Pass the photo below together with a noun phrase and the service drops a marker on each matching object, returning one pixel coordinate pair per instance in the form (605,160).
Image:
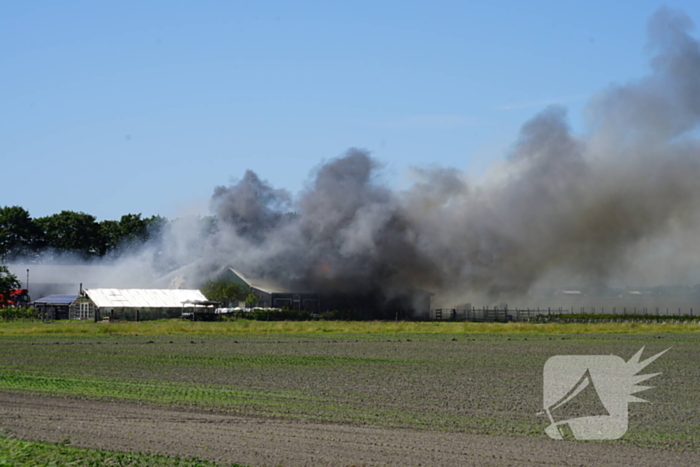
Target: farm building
(54,306)
(139,304)
(272,295)
(408,302)
(373,304)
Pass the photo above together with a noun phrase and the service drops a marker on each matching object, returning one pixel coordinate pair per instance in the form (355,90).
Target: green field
(246,327)
(472,378)
(16,452)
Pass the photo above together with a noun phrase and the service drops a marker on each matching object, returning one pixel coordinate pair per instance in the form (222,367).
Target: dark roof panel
(62,299)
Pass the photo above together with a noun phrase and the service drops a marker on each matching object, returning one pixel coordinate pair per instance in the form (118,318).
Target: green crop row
(290,403)
(149,391)
(258,360)
(16,452)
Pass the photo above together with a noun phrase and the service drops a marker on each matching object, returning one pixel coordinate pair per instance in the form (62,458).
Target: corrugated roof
(57,299)
(143,298)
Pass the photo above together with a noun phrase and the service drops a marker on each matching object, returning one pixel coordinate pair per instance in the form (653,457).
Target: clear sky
(119,107)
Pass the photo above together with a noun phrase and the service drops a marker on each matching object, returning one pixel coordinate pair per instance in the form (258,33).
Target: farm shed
(371,304)
(375,303)
(54,306)
(138,304)
(272,295)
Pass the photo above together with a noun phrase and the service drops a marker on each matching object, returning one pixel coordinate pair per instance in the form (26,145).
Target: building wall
(53,311)
(264,298)
(83,309)
(297,301)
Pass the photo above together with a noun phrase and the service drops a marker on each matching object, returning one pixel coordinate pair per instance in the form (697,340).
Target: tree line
(72,233)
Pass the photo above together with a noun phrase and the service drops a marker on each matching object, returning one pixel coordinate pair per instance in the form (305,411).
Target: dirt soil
(258,441)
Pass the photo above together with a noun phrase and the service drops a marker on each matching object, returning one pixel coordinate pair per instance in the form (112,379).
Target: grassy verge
(17,452)
(245,327)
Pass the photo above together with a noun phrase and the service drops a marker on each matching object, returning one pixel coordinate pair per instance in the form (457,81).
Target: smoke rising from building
(618,202)
(585,206)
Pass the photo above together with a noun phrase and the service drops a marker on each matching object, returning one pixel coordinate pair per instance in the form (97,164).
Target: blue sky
(144,107)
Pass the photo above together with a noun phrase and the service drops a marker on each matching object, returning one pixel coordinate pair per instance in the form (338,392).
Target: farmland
(434,383)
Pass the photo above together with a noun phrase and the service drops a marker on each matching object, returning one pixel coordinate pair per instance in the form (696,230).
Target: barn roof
(143,298)
(57,299)
(257,283)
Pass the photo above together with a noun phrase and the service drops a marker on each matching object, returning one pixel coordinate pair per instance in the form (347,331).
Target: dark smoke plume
(585,206)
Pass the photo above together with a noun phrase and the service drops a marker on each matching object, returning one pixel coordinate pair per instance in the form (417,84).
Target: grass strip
(16,452)
(245,327)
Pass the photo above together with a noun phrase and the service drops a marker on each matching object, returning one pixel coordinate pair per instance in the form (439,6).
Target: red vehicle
(18,298)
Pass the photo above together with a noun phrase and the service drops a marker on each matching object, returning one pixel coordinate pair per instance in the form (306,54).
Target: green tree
(73,232)
(110,234)
(19,235)
(156,226)
(8,281)
(225,291)
(134,231)
(128,234)
(251,299)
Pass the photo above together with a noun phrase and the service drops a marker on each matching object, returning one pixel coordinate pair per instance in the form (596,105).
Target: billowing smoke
(588,207)
(620,202)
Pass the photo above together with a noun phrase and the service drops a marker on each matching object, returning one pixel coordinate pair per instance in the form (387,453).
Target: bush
(18,314)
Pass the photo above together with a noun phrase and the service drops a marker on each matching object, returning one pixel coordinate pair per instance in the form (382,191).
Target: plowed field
(348,399)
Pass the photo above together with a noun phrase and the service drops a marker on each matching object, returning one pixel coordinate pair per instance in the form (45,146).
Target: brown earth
(259,441)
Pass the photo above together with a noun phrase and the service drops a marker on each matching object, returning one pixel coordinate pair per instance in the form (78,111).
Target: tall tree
(19,235)
(128,234)
(225,291)
(156,226)
(110,236)
(134,231)
(73,232)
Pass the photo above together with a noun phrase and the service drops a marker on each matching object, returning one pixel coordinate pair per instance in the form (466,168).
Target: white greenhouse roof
(143,298)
